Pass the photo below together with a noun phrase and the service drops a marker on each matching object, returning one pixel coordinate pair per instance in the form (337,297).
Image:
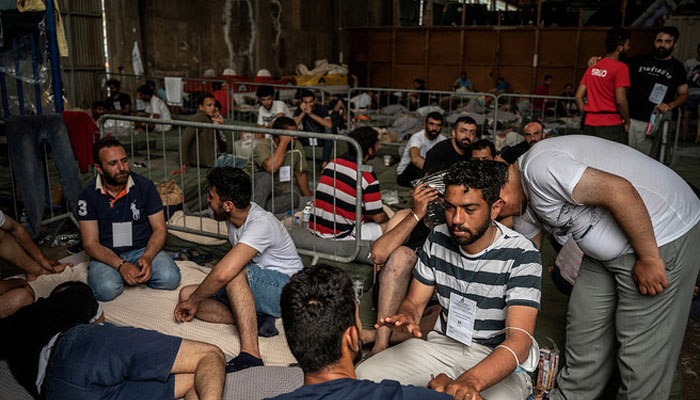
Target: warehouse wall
(245,35)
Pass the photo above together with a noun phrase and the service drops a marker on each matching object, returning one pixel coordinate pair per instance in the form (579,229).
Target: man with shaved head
(533,133)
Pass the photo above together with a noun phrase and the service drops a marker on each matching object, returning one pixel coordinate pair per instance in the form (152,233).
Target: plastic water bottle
(306,215)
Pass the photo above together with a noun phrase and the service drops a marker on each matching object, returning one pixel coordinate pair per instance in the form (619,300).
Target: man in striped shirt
(487,279)
(336,195)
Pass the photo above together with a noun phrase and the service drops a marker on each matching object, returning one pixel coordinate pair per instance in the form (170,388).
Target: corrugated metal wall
(83,22)
(689,26)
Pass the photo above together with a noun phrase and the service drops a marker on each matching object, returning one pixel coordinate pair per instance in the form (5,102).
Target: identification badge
(313,141)
(460,319)
(285,173)
(117,105)
(658,93)
(122,234)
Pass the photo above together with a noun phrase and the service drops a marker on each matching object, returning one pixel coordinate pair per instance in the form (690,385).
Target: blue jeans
(266,285)
(107,283)
(111,362)
(229,160)
(25,134)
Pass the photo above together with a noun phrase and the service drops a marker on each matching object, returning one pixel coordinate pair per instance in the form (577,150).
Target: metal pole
(54,56)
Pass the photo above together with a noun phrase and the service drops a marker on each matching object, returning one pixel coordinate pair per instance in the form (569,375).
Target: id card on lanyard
(122,232)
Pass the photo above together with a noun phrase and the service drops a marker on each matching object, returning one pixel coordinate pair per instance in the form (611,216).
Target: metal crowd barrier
(451,104)
(191,89)
(24,98)
(151,164)
(247,105)
(558,113)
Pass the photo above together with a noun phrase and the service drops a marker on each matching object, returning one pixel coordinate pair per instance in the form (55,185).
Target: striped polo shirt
(337,187)
(507,273)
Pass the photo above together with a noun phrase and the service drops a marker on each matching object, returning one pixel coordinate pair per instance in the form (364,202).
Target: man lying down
(60,348)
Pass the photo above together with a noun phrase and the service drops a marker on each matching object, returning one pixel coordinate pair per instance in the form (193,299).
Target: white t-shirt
(2,218)
(362,100)
(266,234)
(553,167)
(266,116)
(157,106)
(424,145)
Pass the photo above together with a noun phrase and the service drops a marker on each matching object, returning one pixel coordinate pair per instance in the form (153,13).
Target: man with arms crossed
(487,280)
(636,222)
(250,277)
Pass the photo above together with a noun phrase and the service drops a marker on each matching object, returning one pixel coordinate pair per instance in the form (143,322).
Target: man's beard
(464,144)
(222,215)
(662,53)
(473,236)
(118,179)
(433,134)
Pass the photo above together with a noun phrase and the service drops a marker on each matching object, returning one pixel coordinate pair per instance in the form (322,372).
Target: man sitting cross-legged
(487,279)
(324,332)
(18,248)
(250,277)
(122,227)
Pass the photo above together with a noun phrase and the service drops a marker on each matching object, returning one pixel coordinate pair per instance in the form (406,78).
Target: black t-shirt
(442,155)
(512,153)
(309,124)
(645,73)
(350,389)
(119,103)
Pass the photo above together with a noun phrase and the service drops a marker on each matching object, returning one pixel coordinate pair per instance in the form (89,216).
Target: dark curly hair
(231,184)
(264,91)
(318,305)
(366,136)
(485,175)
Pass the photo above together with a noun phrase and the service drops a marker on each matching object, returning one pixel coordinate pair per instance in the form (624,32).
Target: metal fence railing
(402,111)
(247,105)
(160,163)
(190,90)
(558,113)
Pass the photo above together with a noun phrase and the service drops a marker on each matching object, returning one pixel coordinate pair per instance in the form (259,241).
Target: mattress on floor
(143,307)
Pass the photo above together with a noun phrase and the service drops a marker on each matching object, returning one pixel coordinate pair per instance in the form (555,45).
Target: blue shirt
(135,204)
(350,389)
(467,84)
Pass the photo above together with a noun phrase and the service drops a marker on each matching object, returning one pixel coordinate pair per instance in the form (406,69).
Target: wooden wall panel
(482,77)
(441,77)
(592,44)
(358,46)
(480,47)
(379,74)
(560,77)
(444,48)
(557,48)
(380,47)
(518,77)
(517,47)
(642,42)
(404,74)
(410,47)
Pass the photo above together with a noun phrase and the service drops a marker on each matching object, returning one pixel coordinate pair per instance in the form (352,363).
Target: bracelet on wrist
(415,216)
(120,265)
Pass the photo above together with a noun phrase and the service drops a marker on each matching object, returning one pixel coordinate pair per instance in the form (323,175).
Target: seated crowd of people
(459,287)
